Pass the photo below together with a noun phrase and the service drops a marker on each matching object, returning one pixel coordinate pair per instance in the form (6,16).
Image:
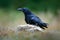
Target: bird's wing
(37,21)
(34,20)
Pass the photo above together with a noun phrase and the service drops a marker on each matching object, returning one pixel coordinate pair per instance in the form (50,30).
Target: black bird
(32,19)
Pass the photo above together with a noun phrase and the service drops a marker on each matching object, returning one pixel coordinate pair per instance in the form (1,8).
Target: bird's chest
(27,19)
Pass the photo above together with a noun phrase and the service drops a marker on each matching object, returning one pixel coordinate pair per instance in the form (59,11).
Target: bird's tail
(43,25)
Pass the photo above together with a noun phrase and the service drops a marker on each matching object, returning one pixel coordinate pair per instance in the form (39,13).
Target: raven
(32,19)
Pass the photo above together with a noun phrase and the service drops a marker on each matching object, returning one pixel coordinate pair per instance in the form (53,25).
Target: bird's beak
(19,9)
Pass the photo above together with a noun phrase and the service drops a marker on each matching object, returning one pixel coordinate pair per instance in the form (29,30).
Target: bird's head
(23,9)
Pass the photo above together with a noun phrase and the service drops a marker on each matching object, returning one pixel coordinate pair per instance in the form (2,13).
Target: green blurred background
(47,10)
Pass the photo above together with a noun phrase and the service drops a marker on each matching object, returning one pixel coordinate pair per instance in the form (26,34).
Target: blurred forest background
(47,10)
